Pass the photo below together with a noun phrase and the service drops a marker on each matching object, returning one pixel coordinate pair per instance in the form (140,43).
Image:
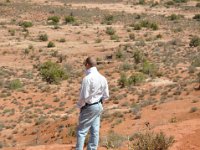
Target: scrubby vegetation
(70,19)
(195,41)
(43,37)
(51,44)
(197,17)
(52,72)
(15,84)
(152,141)
(148,51)
(26,24)
(54,19)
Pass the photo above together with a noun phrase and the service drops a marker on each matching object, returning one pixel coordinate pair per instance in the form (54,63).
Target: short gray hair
(91,61)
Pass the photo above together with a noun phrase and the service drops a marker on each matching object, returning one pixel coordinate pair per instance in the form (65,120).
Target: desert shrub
(110,31)
(52,72)
(170,3)
(132,36)
(1,145)
(119,54)
(152,141)
(98,40)
(126,66)
(136,78)
(26,24)
(137,26)
(70,19)
(43,37)
(196,62)
(114,37)
(123,80)
(54,19)
(193,109)
(71,131)
(108,19)
(40,120)
(62,40)
(50,44)
(154,26)
(118,114)
(198,5)
(135,108)
(9,111)
(112,140)
(12,32)
(174,17)
(195,41)
(149,68)
(197,17)
(146,24)
(180,1)
(141,2)
(15,84)
(138,56)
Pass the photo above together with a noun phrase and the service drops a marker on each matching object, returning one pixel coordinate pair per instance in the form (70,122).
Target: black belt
(87,105)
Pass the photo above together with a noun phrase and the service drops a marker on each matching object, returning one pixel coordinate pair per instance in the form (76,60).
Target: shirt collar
(91,70)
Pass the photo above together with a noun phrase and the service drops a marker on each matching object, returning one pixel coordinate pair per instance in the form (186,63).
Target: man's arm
(84,93)
(105,92)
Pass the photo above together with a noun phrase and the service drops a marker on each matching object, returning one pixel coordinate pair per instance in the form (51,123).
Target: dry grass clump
(152,141)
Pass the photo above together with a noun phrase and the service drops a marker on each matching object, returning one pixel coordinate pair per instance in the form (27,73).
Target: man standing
(94,90)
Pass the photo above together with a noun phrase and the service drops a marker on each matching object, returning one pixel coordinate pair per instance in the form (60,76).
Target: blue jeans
(89,119)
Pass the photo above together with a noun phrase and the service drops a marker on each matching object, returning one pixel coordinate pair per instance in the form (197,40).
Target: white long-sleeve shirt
(93,88)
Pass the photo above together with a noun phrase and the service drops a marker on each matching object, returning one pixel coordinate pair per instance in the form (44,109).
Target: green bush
(110,31)
(152,141)
(193,109)
(197,17)
(15,84)
(136,78)
(180,1)
(132,36)
(43,37)
(149,68)
(195,41)
(50,44)
(119,54)
(174,17)
(196,62)
(198,5)
(26,24)
(126,66)
(141,2)
(145,23)
(137,26)
(108,19)
(12,32)
(148,24)
(170,3)
(138,56)
(123,80)
(70,19)
(62,40)
(114,37)
(52,72)
(54,19)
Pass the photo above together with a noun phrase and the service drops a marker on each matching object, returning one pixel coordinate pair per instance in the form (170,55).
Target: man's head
(90,62)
